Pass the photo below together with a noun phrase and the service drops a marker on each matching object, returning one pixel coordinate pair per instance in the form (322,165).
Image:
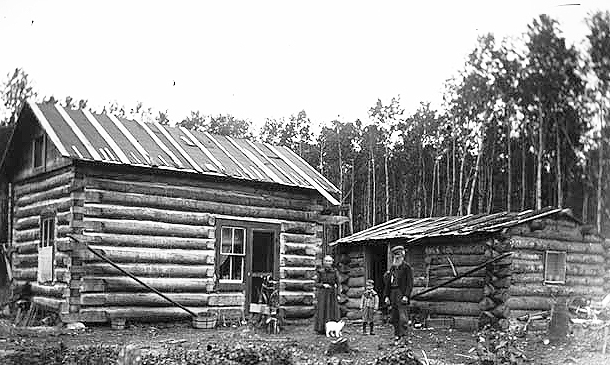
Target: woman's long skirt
(327,309)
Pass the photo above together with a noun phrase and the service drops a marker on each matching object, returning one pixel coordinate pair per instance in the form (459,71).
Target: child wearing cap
(368,305)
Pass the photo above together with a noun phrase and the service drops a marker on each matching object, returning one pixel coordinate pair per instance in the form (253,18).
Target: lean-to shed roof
(413,229)
(82,135)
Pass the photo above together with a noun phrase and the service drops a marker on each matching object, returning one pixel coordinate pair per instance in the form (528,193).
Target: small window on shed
(555,267)
(38,152)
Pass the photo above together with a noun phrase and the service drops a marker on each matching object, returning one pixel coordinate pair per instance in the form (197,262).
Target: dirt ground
(441,346)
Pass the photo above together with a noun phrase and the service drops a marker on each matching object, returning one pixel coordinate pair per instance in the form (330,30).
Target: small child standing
(368,305)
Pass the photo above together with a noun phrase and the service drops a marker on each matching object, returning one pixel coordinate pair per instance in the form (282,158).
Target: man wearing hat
(398,283)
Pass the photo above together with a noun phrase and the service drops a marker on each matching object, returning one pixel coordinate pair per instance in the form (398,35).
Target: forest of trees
(523,125)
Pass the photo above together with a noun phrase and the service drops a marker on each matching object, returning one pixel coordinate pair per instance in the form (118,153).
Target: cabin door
(264,255)
(376,265)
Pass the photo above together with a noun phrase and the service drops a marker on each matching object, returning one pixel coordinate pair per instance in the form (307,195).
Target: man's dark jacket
(404,280)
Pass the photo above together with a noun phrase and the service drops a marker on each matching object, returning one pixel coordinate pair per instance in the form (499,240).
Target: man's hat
(397,249)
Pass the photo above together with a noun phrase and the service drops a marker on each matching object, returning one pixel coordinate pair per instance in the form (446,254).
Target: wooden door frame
(250,227)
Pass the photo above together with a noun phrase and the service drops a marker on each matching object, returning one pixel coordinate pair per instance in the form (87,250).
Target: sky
(259,59)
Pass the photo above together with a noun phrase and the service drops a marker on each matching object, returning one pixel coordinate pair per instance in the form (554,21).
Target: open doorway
(263,259)
(376,265)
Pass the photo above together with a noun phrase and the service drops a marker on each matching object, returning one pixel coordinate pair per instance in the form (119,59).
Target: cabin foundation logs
(351,274)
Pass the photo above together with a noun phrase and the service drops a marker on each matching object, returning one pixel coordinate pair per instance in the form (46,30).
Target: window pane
(38,152)
(238,240)
(51,224)
(41,238)
(225,267)
(236,270)
(225,240)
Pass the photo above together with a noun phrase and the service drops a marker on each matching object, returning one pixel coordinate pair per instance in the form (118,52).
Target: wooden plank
(48,129)
(130,138)
(79,134)
(203,148)
(272,163)
(256,161)
(161,144)
(178,147)
(106,136)
(308,178)
(224,150)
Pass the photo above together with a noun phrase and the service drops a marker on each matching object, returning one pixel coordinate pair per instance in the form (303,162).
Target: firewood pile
(494,310)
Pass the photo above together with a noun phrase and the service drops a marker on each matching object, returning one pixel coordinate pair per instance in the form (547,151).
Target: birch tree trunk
(600,166)
(373,181)
(432,196)
(523,157)
(340,182)
(509,168)
(446,197)
(351,202)
(559,175)
(475,178)
(461,191)
(539,159)
(387,185)
(451,196)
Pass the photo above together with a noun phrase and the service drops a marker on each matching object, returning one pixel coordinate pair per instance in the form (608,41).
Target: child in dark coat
(368,305)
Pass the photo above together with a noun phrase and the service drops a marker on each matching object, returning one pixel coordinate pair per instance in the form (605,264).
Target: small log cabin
(553,255)
(200,217)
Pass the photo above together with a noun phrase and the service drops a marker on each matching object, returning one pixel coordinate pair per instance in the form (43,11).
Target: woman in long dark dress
(327,284)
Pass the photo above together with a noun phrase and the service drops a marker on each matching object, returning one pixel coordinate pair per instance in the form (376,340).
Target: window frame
(232,254)
(43,152)
(46,239)
(547,254)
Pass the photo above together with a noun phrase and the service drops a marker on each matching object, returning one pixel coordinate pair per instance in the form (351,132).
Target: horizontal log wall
(47,193)
(165,234)
(585,265)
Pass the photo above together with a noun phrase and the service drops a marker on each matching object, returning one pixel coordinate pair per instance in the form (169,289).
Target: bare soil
(441,346)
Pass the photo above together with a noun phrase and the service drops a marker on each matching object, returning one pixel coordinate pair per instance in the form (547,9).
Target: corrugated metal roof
(83,135)
(413,229)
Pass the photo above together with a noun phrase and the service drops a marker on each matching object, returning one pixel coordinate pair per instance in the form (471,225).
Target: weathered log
(501,311)
(457,260)
(50,303)
(529,303)
(527,278)
(297,285)
(520,290)
(34,234)
(503,272)
(527,255)
(149,214)
(127,240)
(296,298)
(143,299)
(25,260)
(356,272)
(148,228)
(34,222)
(527,266)
(57,290)
(127,284)
(58,205)
(155,201)
(488,289)
(26,247)
(151,255)
(486,304)
(580,258)
(343,277)
(43,183)
(355,292)
(534,243)
(155,314)
(299,311)
(300,238)
(352,303)
(305,273)
(203,194)
(158,270)
(298,261)
(44,195)
(584,281)
(355,282)
(573,269)
(456,249)
(299,227)
(466,282)
(343,268)
(344,287)
(353,314)
(502,283)
(30,274)
(449,308)
(436,271)
(450,294)
(500,295)
(302,249)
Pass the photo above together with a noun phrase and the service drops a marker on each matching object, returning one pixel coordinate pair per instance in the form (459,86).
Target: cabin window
(38,152)
(555,267)
(46,248)
(232,254)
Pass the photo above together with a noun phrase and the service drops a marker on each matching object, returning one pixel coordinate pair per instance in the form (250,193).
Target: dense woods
(523,125)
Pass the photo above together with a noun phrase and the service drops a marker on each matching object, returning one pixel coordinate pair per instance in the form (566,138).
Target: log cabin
(553,255)
(200,217)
